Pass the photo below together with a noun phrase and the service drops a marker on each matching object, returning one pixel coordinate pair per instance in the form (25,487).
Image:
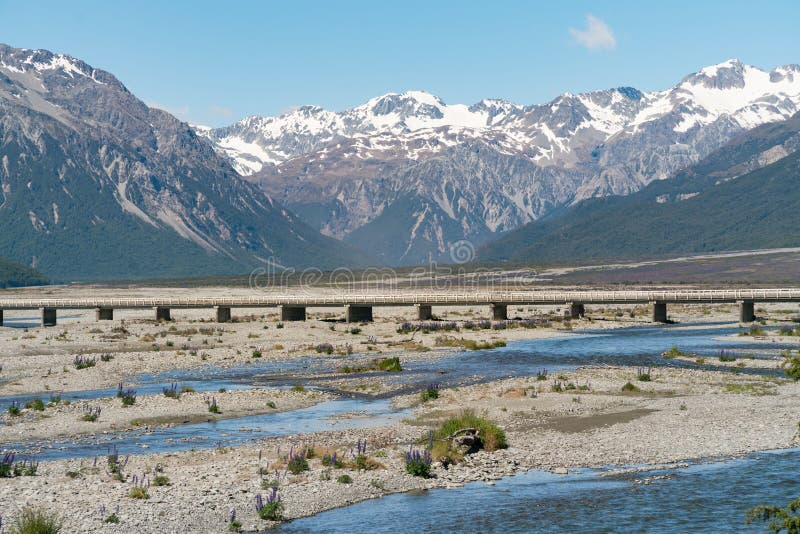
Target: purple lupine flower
(232,516)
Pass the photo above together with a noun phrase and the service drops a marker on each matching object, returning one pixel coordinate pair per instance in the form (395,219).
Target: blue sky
(216,62)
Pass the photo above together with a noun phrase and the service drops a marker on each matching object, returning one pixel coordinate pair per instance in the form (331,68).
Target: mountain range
(742,196)
(406,176)
(94,184)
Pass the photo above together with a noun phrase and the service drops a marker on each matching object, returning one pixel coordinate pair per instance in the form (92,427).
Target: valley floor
(574,418)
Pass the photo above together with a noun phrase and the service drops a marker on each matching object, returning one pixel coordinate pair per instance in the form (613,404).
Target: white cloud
(596,36)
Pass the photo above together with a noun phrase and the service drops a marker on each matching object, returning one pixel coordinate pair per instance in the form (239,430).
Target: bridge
(358,306)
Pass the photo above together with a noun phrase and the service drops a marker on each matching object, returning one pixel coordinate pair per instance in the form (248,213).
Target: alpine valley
(94,184)
(405,176)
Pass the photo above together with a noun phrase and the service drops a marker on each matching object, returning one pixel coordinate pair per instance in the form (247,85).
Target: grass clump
(747,389)
(34,520)
(468,344)
(81,362)
(430,393)
(791,365)
(36,404)
(139,492)
(161,480)
(344,479)
(643,374)
(674,352)
(388,365)
(128,396)
(492,437)
(13,409)
(297,464)
(324,348)
(630,388)
(271,508)
(418,463)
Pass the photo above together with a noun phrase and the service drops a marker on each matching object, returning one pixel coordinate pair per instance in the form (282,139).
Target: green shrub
(298,464)
(492,437)
(139,493)
(161,480)
(791,365)
(344,479)
(35,404)
(418,463)
(780,519)
(674,352)
(390,365)
(630,388)
(429,393)
(256,354)
(469,344)
(34,520)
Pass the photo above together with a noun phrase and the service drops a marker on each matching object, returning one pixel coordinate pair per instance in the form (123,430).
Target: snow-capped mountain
(96,184)
(413,162)
(255,141)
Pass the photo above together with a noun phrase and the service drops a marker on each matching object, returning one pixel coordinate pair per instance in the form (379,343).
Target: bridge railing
(532,297)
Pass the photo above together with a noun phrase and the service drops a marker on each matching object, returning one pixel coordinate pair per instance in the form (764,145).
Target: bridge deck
(452,298)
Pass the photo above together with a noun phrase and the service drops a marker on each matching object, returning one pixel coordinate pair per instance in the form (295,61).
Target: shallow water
(707,497)
(203,379)
(225,432)
(636,346)
(630,346)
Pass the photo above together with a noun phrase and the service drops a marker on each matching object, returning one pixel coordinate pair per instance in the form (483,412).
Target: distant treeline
(13,274)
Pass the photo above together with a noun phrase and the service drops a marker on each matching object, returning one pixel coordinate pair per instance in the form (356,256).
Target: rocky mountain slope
(95,184)
(742,196)
(406,175)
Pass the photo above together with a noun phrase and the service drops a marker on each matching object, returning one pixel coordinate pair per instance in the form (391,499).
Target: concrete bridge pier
(292,313)
(222,314)
(48,316)
(424,312)
(357,314)
(659,312)
(577,310)
(104,314)
(1,317)
(499,312)
(162,313)
(747,311)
